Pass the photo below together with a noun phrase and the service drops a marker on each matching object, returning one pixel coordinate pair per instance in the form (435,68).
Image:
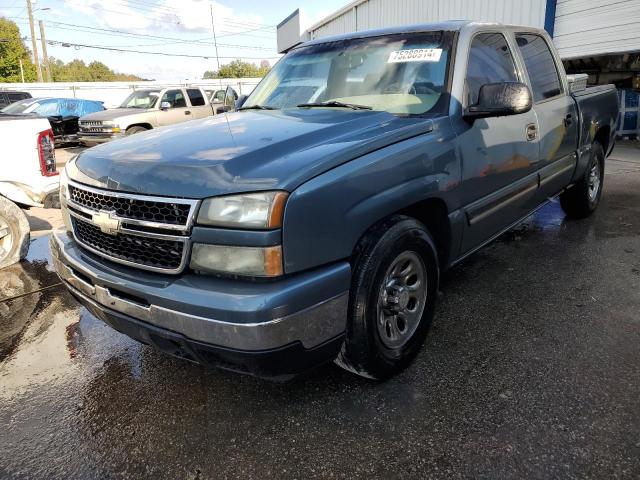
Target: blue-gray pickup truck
(313,223)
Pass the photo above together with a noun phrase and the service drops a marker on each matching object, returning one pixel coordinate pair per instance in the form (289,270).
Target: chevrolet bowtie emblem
(106,223)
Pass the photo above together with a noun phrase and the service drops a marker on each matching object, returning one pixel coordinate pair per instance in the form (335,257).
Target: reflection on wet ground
(531,369)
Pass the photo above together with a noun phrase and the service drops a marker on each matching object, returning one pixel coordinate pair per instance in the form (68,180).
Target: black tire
(366,351)
(582,199)
(14,233)
(134,130)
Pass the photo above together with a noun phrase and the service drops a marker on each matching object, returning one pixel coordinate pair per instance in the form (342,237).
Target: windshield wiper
(335,103)
(257,107)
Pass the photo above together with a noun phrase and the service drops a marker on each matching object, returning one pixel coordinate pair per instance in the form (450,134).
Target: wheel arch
(433,213)
(145,125)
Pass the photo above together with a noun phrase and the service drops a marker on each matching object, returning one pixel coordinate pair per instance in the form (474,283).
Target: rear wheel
(14,233)
(392,298)
(583,198)
(134,130)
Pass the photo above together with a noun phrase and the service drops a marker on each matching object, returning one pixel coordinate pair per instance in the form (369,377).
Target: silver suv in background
(144,110)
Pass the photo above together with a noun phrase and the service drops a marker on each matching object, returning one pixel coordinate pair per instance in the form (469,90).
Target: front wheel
(14,233)
(583,198)
(392,298)
(134,130)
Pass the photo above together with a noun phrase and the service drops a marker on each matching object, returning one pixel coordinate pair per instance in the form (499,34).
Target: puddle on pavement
(548,219)
(29,291)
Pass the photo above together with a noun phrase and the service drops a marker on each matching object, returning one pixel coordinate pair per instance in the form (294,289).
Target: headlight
(111,126)
(64,195)
(64,180)
(254,261)
(250,210)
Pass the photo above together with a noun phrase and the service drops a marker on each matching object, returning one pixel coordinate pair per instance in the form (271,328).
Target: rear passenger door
(178,112)
(556,111)
(199,107)
(499,159)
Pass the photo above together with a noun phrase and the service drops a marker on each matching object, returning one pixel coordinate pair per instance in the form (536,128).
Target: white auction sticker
(415,55)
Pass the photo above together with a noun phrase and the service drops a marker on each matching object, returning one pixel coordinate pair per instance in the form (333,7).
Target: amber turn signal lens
(276,214)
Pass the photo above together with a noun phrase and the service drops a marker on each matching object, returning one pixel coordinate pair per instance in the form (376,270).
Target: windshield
(141,99)
(21,106)
(400,74)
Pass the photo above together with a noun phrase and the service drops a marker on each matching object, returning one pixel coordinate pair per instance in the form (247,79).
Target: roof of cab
(451,25)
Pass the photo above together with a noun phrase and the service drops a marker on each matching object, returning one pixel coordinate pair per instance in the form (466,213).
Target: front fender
(25,195)
(326,216)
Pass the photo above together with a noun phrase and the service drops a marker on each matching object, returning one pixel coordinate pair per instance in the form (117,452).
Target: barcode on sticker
(415,55)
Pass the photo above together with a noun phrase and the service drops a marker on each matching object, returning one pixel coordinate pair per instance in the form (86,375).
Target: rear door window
(14,97)
(195,97)
(542,69)
(490,61)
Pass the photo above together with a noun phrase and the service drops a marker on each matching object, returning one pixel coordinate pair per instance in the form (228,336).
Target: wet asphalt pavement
(531,370)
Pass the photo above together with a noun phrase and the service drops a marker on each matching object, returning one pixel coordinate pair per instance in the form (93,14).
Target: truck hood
(114,113)
(241,151)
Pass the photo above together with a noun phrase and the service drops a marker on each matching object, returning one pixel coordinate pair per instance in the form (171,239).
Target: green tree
(238,69)
(100,72)
(12,50)
(77,71)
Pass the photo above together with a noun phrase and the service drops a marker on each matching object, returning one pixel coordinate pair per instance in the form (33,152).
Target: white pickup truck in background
(28,178)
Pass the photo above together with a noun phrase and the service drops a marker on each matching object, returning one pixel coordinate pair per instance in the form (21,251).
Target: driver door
(177,111)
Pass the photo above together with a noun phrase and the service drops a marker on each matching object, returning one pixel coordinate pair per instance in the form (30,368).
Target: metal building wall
(585,28)
(370,14)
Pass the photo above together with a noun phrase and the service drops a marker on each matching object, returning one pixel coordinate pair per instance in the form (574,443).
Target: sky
(244,29)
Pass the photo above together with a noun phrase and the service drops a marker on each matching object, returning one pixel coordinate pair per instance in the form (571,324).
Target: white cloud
(167,15)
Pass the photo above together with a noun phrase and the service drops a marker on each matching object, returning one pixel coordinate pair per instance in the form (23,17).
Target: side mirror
(229,99)
(165,106)
(241,100)
(500,100)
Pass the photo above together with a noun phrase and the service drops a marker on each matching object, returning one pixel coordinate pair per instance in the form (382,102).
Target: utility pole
(33,41)
(45,57)
(215,42)
(21,71)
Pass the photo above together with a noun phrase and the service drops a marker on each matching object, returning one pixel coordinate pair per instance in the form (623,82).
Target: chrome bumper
(310,326)
(97,139)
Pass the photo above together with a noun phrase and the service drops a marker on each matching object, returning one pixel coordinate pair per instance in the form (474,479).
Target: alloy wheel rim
(6,238)
(401,300)
(594,181)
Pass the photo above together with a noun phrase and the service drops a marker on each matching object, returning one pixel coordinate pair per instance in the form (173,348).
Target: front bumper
(96,139)
(263,328)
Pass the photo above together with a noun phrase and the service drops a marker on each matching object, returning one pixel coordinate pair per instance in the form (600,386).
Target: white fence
(113,93)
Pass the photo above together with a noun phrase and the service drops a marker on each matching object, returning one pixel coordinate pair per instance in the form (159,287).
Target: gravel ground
(531,370)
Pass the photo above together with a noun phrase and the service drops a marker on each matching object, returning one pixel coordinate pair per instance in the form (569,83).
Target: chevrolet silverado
(313,223)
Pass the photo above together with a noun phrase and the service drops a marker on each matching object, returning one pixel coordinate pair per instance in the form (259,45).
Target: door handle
(187,112)
(532,132)
(568,119)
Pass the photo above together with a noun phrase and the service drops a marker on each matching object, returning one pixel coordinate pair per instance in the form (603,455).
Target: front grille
(94,130)
(91,123)
(150,252)
(147,210)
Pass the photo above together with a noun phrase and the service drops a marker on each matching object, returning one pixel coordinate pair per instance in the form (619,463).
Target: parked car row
(85,121)
(63,114)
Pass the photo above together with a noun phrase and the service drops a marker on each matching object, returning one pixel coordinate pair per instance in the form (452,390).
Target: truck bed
(597,107)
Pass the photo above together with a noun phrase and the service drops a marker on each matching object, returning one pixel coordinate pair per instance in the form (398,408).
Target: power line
(124,34)
(166,54)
